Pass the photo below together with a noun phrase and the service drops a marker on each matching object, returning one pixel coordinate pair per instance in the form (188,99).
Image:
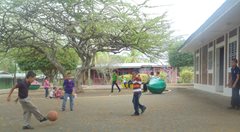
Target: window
(197,63)
(233,33)
(232,52)
(220,39)
(210,60)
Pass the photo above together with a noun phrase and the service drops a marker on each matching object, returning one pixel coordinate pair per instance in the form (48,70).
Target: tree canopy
(177,59)
(87,26)
(32,60)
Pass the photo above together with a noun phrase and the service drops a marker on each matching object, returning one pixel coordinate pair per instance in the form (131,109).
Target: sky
(185,16)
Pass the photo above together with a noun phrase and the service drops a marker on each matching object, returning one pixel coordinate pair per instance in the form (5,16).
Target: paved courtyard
(179,110)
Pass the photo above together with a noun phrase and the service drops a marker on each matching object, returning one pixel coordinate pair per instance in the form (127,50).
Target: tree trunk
(53,60)
(15,74)
(50,73)
(89,77)
(178,71)
(81,73)
(59,67)
(79,80)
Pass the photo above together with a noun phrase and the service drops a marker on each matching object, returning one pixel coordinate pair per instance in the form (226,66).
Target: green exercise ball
(34,87)
(156,85)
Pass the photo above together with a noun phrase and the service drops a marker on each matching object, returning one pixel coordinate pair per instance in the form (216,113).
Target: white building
(214,45)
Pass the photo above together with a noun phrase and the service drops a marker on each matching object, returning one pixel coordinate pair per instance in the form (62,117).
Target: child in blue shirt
(68,86)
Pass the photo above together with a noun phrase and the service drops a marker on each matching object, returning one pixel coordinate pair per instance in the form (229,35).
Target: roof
(130,65)
(3,72)
(223,20)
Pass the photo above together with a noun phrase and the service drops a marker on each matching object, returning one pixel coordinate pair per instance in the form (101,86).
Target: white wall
(212,89)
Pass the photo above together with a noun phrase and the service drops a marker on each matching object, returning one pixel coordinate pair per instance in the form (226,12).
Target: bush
(186,76)
(163,75)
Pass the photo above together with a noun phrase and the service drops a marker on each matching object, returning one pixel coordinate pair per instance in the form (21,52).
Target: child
(68,86)
(124,79)
(114,81)
(52,93)
(137,92)
(46,85)
(152,75)
(158,75)
(58,93)
(27,105)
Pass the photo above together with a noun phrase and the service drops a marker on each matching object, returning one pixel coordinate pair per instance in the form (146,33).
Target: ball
(52,115)
(156,85)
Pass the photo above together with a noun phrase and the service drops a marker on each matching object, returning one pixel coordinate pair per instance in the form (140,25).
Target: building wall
(6,83)
(207,62)
(204,63)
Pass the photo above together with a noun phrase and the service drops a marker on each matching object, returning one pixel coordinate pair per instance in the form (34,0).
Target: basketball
(52,115)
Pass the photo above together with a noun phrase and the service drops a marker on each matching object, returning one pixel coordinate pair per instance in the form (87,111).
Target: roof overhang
(223,20)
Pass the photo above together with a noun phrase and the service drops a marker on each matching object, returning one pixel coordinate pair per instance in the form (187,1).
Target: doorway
(220,69)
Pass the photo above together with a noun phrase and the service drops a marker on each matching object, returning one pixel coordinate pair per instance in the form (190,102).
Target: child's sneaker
(44,119)
(143,109)
(135,114)
(27,127)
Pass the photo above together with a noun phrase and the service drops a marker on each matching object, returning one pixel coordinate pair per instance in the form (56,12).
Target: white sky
(186,16)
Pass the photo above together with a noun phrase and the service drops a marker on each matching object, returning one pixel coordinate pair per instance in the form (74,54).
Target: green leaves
(30,59)
(177,59)
(85,26)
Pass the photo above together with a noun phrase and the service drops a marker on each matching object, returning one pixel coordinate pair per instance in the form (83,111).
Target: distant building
(7,79)
(100,74)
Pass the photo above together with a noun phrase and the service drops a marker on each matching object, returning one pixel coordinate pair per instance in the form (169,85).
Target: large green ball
(156,85)
(34,87)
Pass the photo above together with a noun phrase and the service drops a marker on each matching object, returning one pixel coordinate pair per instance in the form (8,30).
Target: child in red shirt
(137,92)
(58,93)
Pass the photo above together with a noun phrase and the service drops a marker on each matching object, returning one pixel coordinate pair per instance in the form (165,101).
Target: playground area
(177,110)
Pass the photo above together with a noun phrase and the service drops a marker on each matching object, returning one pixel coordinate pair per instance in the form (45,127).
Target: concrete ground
(178,110)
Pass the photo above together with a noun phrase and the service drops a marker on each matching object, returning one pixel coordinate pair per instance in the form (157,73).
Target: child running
(114,81)
(137,92)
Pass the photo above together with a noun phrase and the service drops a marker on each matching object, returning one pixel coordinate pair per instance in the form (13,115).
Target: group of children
(68,86)
(53,92)
(127,83)
(56,93)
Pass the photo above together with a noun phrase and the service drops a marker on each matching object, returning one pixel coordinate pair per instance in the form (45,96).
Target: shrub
(186,76)
(163,75)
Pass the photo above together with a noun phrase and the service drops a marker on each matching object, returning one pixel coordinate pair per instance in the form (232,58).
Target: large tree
(87,26)
(178,59)
(17,32)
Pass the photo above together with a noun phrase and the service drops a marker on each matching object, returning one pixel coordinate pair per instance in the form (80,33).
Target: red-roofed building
(99,78)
